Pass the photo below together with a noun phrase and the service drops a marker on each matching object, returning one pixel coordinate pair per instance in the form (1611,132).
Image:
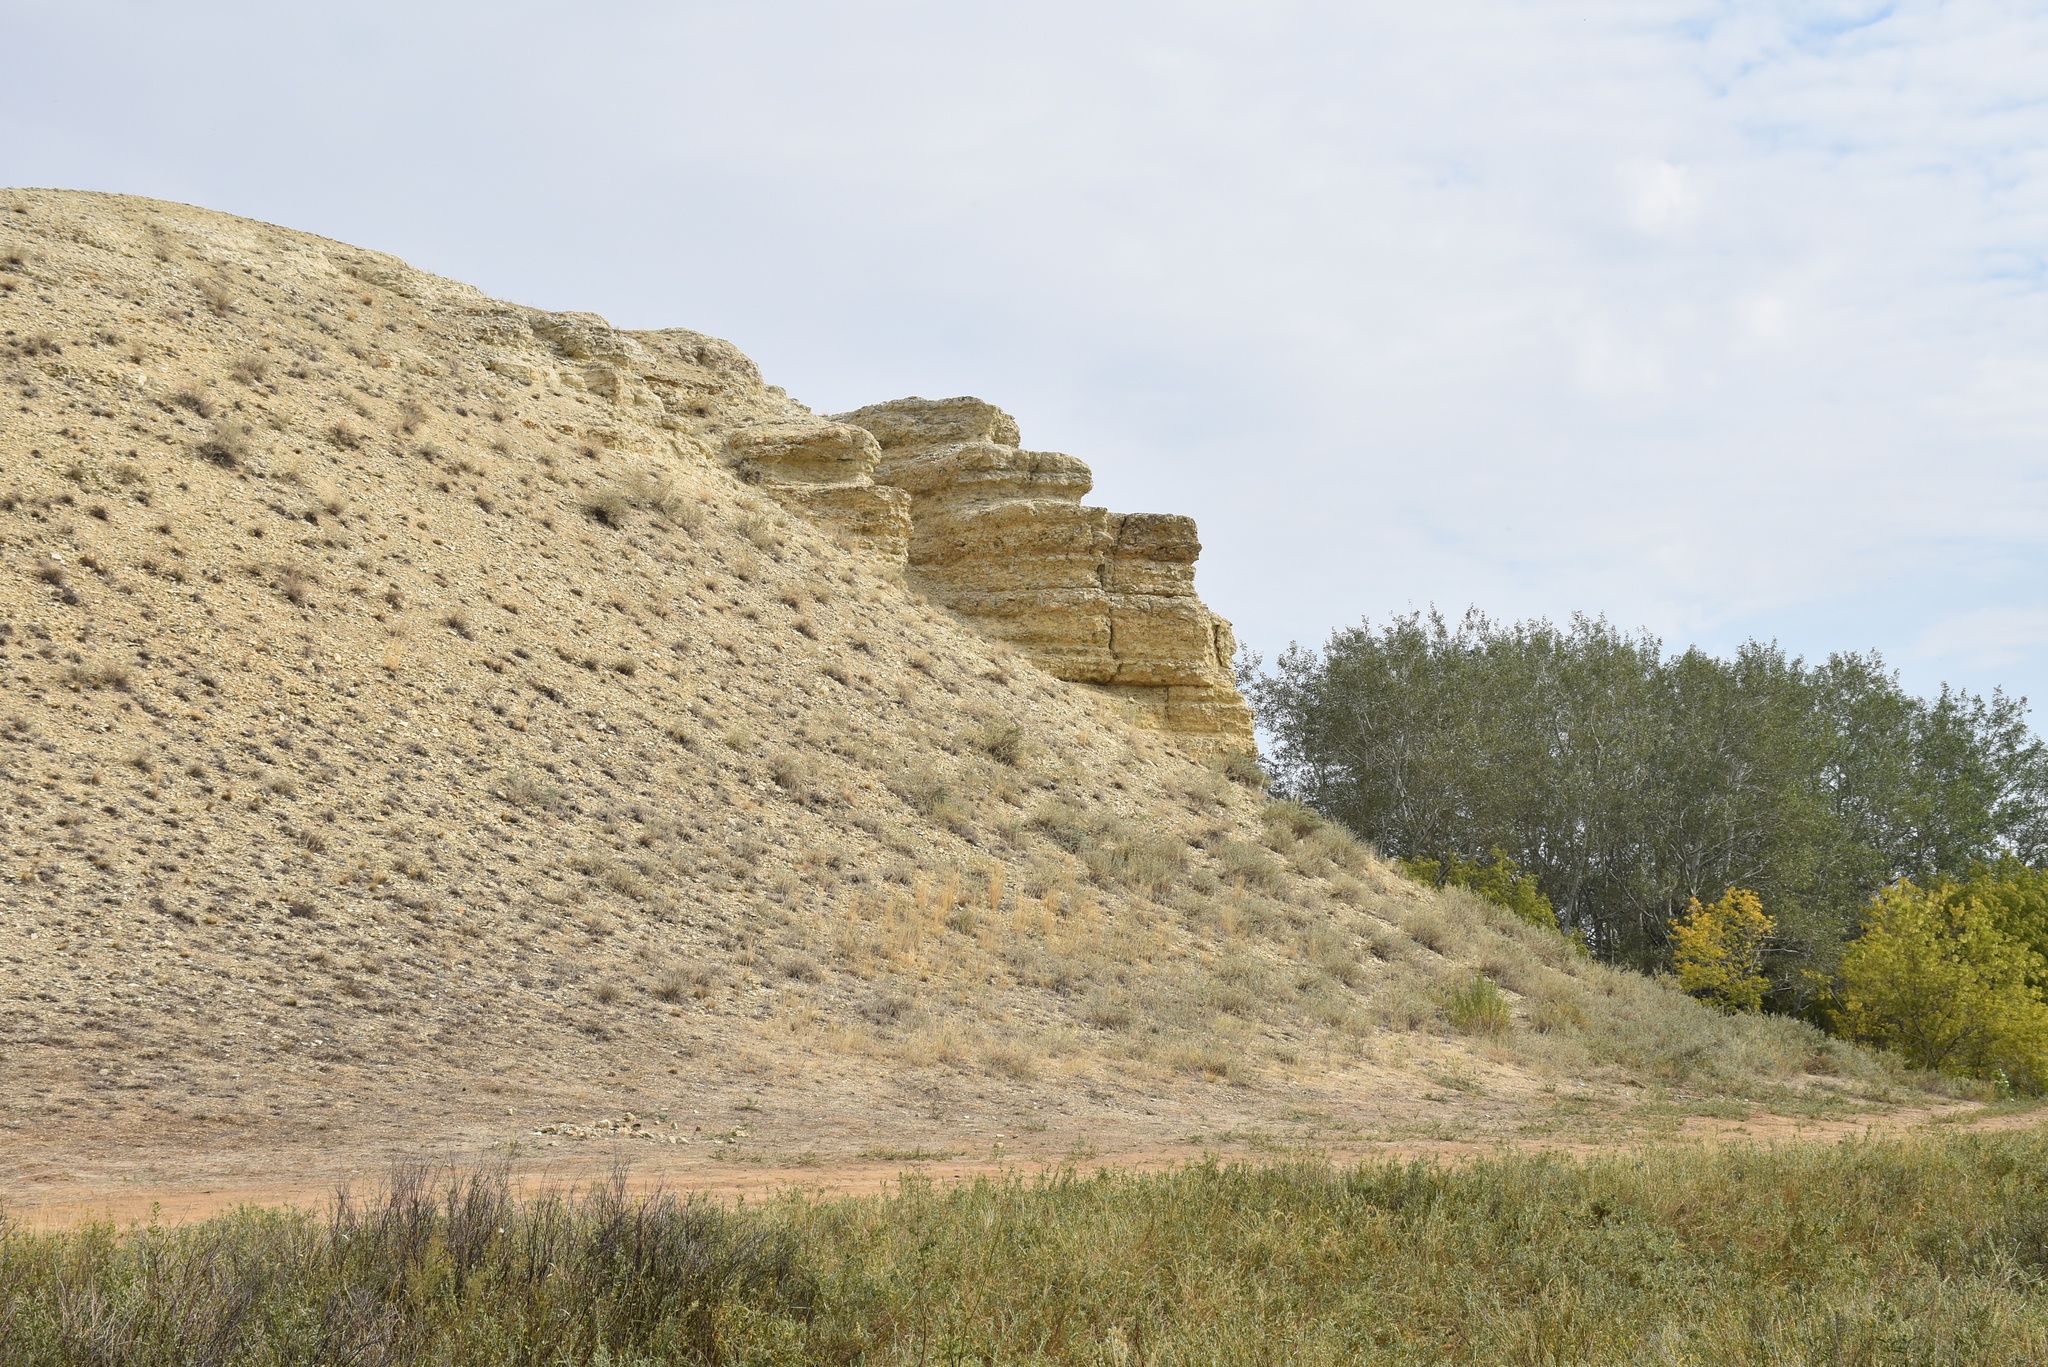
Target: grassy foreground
(1925,1250)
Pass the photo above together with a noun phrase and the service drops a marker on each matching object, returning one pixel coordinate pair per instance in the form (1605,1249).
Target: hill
(433,725)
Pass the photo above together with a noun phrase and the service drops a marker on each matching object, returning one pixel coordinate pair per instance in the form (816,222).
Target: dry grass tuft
(194,401)
(87,675)
(296,584)
(1003,740)
(231,444)
(613,504)
(524,788)
(217,295)
(759,532)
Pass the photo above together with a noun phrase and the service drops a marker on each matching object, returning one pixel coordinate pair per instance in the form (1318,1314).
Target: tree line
(1630,784)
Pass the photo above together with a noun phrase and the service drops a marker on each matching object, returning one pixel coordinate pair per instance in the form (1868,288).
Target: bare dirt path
(646,1167)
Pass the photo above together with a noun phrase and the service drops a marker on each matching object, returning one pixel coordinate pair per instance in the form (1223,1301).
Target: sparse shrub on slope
(1116,852)
(931,794)
(1501,882)
(1003,739)
(1477,1007)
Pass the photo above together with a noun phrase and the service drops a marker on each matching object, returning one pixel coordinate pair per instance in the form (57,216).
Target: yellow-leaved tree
(1935,978)
(1718,950)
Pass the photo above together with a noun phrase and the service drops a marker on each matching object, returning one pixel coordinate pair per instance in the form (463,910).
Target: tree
(2017,898)
(1629,783)
(1934,978)
(1717,951)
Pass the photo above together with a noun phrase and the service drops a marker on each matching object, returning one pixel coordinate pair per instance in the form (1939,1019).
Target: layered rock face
(1000,535)
(826,471)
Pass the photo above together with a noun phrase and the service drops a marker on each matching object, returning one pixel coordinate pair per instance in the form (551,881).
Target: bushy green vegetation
(1717,951)
(1926,1250)
(1499,880)
(1948,976)
(1629,782)
(1805,839)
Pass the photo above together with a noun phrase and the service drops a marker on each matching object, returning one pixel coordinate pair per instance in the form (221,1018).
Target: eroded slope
(420,725)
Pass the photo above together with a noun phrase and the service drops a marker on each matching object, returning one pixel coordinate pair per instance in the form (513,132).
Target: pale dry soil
(416,735)
(739,1131)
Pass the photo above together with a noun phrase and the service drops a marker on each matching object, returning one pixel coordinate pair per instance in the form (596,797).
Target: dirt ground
(863,1130)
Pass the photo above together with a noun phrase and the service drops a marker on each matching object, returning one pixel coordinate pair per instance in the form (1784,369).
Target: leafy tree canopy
(1934,977)
(1718,951)
(1629,782)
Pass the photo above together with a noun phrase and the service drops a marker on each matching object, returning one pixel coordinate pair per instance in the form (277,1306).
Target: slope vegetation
(422,729)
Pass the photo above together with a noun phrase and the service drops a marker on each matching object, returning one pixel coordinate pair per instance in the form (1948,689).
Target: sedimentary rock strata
(1000,535)
(826,470)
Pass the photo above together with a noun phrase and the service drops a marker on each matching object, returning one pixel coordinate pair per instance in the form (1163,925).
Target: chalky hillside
(432,726)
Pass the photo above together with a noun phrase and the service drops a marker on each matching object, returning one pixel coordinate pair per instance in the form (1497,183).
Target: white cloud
(1610,364)
(1660,197)
(1721,318)
(2006,394)
(1986,638)
(1762,317)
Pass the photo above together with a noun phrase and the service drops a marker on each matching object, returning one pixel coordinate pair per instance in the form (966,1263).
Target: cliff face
(1000,535)
(943,487)
(826,471)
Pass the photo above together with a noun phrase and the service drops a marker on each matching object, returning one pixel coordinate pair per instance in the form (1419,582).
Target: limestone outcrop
(826,470)
(943,487)
(1000,535)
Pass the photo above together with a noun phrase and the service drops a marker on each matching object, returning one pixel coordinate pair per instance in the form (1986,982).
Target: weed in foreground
(456,1272)
(1922,1250)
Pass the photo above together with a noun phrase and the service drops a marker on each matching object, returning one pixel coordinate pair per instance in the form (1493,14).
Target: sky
(1723,320)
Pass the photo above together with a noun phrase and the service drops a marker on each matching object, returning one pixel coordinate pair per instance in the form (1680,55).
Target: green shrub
(1501,882)
(1476,1007)
(1933,977)
(1717,951)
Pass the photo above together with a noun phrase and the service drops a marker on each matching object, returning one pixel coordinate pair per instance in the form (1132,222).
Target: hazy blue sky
(1722,319)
